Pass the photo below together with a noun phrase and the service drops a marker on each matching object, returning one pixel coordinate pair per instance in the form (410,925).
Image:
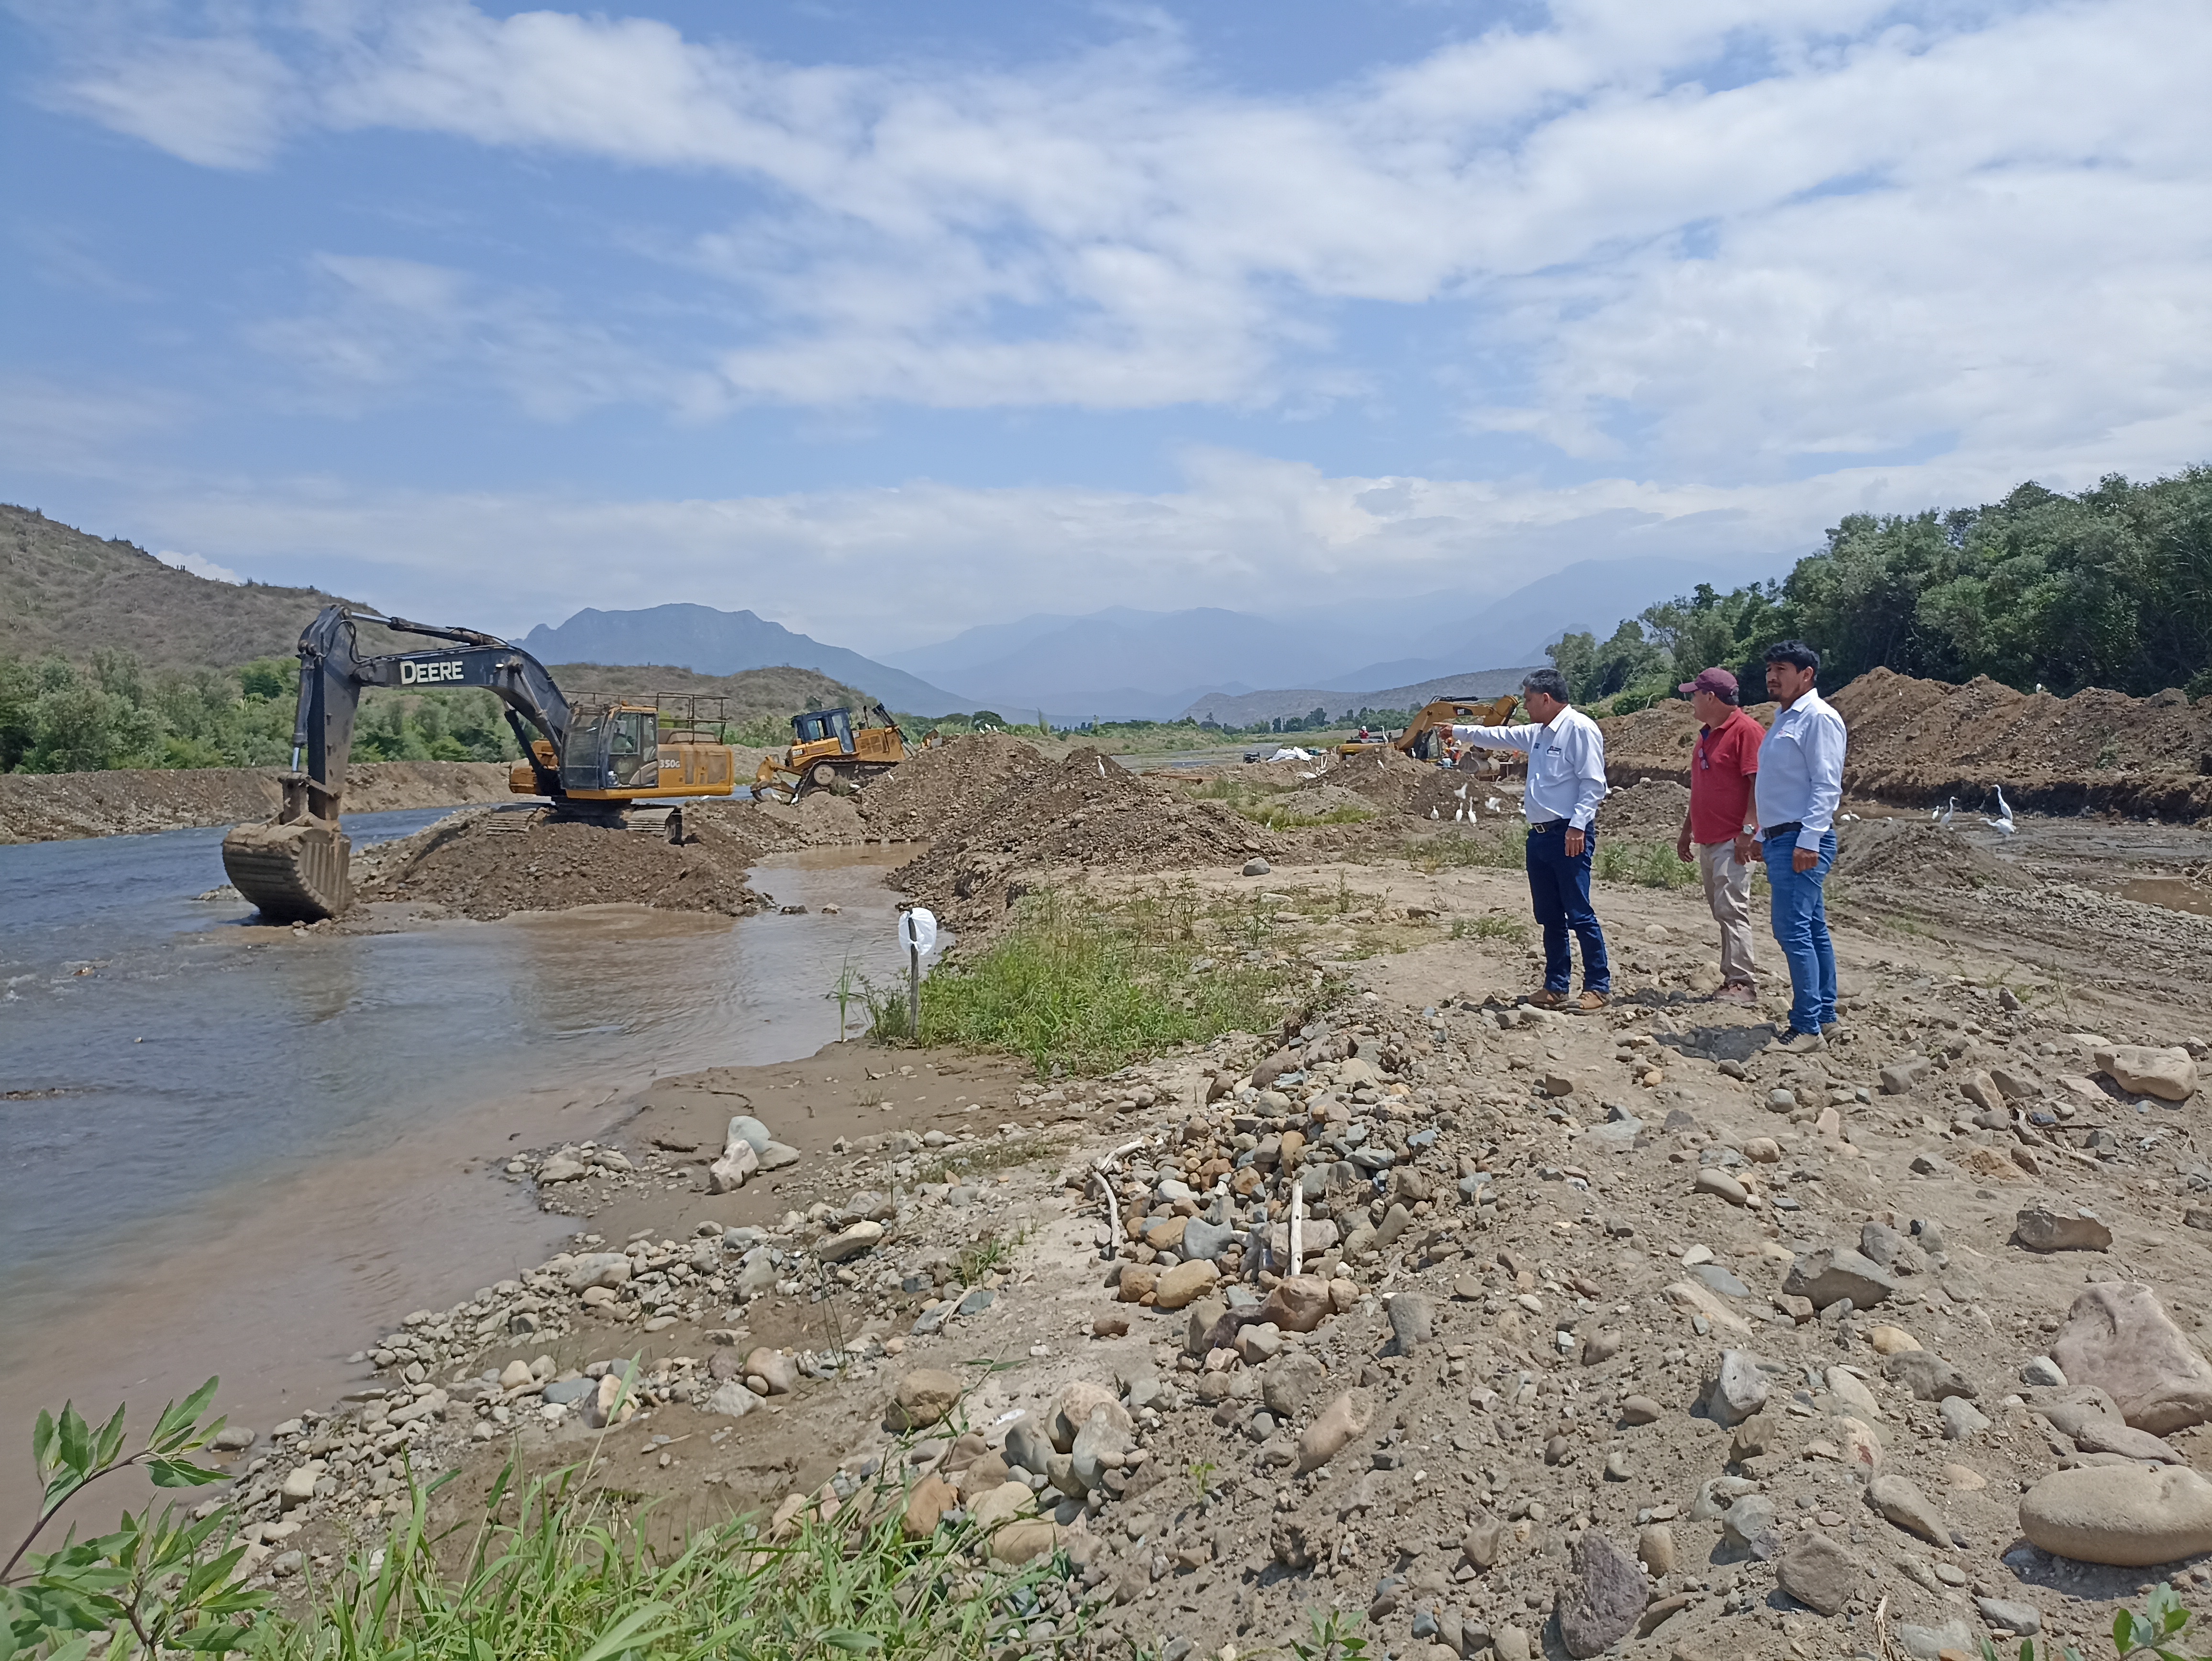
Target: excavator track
(296,873)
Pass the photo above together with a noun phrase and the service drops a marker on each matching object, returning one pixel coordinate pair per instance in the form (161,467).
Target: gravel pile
(477,866)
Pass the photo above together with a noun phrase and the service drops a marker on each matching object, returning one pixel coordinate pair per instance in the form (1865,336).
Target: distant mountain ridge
(712,642)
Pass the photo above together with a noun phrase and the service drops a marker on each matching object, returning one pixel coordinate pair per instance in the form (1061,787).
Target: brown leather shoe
(1589,1004)
(1547,1000)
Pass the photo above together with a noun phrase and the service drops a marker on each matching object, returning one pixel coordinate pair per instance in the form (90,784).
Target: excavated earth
(136,801)
(1916,743)
(1628,1334)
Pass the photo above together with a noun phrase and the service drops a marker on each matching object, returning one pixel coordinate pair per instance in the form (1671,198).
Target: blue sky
(882,320)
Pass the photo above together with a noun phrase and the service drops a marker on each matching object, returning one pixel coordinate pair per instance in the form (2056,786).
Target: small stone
(1962,1419)
(1835,1272)
(1781,1101)
(2021,1620)
(1479,1544)
(926,1506)
(1738,1390)
(1257,868)
(516,1375)
(1927,1375)
(1299,1302)
(1289,1383)
(1184,1283)
(856,1241)
(1850,1389)
(1339,1421)
(2042,1370)
(1654,1548)
(777,1371)
(1640,1411)
(1512,1643)
(1748,1517)
(1900,1501)
(923,1398)
(1888,1340)
(1715,1181)
(1818,1572)
(2168,1075)
(2041,1229)
(1411,1323)
(1617,1466)
(1027,1445)
(2118,1337)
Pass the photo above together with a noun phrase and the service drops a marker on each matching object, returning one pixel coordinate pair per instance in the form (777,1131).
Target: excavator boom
(597,757)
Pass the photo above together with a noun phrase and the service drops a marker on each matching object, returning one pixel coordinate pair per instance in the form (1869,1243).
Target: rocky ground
(1618,1333)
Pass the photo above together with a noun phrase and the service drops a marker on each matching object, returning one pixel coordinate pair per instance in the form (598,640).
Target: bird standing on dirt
(2002,823)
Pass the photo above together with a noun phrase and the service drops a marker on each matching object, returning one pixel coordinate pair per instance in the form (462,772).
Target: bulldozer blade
(296,873)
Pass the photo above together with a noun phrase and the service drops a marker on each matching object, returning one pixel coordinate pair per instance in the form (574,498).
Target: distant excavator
(1425,736)
(829,752)
(593,759)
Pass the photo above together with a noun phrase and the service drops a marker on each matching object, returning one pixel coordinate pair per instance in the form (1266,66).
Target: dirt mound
(1085,810)
(1386,777)
(1917,743)
(1651,810)
(939,791)
(1900,857)
(1318,798)
(135,801)
(486,865)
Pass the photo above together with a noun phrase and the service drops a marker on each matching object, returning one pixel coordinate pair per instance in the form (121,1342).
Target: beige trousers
(1728,892)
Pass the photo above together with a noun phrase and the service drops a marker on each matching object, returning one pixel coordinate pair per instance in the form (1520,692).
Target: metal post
(914,993)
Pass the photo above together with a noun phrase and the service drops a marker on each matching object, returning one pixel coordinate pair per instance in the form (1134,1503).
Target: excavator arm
(296,868)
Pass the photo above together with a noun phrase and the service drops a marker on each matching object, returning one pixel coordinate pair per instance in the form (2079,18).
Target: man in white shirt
(1801,785)
(1566,782)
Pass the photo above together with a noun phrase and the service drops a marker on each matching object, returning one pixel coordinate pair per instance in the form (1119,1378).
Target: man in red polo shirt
(1720,828)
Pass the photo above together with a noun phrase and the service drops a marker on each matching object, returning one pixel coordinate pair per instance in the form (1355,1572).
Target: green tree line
(2110,588)
(60,717)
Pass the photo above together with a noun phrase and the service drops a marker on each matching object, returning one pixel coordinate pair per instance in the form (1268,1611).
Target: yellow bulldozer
(1426,737)
(829,751)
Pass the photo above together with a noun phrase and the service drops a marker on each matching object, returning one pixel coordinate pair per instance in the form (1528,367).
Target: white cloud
(1652,234)
(198,565)
(892,567)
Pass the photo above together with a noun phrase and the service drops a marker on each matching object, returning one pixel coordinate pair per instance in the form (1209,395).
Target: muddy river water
(233,1149)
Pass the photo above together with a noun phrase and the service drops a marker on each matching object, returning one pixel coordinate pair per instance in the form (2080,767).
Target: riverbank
(138,801)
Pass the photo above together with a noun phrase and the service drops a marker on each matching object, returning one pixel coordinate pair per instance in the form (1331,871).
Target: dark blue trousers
(1559,888)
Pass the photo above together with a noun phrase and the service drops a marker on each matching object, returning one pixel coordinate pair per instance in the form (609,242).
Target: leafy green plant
(1333,1636)
(2150,1633)
(1202,1473)
(157,1578)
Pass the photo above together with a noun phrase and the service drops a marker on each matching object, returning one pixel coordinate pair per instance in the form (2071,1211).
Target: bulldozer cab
(821,726)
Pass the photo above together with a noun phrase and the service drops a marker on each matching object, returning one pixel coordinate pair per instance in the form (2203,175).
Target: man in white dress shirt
(1801,785)
(1566,782)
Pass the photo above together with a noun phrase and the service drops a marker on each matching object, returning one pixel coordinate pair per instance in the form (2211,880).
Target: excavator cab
(608,749)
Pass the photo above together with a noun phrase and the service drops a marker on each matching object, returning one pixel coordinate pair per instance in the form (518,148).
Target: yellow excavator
(1425,736)
(829,752)
(593,759)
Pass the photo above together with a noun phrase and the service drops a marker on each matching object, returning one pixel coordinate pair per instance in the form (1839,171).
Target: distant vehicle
(829,751)
(1427,737)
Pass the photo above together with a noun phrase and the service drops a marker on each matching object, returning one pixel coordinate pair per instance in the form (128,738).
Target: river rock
(2118,1337)
(1656,1548)
(1183,1283)
(1299,1302)
(2126,1515)
(1927,1375)
(2041,1229)
(856,1241)
(1640,1411)
(1001,1505)
(745,1131)
(778,1156)
(566,1392)
(1027,1445)
(1818,1572)
(1479,1544)
(1071,1411)
(1339,1421)
(1715,1181)
(1738,1390)
(1100,1445)
(778,1372)
(1289,1382)
(1202,1238)
(733,1399)
(1603,1594)
(2168,1075)
(1850,1389)
(1411,1323)
(728,1174)
(599,1268)
(1934,1643)
(923,1398)
(560,1169)
(1963,1420)
(1834,1273)
(2021,1620)
(926,1506)
(1900,1501)
(1025,1542)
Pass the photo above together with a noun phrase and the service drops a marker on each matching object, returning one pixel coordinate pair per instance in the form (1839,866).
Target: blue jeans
(1559,888)
(1801,930)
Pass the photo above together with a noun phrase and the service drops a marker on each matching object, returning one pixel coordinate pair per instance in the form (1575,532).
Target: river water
(234,1149)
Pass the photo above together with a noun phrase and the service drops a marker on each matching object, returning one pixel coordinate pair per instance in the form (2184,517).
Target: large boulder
(2128,1515)
(2118,1337)
(1835,1272)
(2168,1075)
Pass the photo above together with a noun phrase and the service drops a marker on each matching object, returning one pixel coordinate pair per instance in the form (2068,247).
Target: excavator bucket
(295,872)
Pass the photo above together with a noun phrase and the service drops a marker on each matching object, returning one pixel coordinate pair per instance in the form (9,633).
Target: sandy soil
(127,802)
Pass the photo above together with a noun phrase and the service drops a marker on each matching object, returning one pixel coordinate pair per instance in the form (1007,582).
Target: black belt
(1537,827)
(1789,830)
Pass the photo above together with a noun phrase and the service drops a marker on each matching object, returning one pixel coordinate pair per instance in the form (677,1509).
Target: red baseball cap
(1711,680)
